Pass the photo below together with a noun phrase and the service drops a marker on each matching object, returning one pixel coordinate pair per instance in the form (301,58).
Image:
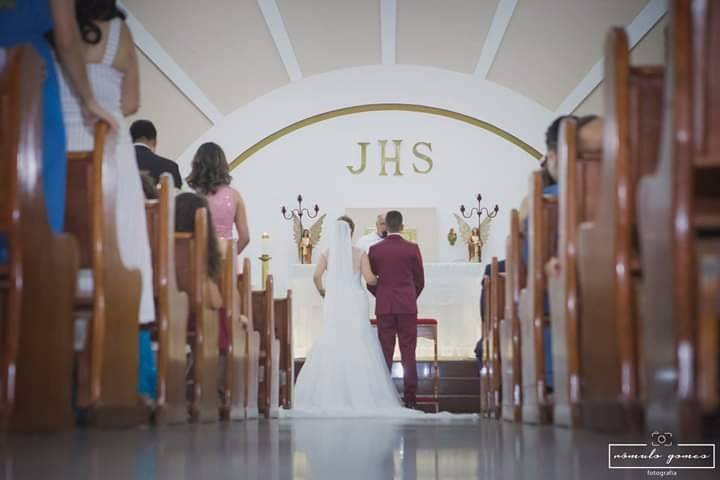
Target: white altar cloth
(451,295)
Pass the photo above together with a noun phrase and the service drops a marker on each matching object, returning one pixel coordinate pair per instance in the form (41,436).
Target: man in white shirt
(367,241)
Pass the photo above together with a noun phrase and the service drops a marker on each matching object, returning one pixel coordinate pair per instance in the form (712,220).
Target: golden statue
(474,237)
(452,237)
(306,239)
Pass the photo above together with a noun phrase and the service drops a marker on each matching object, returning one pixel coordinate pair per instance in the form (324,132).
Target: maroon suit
(399,267)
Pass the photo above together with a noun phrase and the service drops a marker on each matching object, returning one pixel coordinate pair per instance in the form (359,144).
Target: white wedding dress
(345,374)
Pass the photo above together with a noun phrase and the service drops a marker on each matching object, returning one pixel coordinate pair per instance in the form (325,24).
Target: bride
(345,374)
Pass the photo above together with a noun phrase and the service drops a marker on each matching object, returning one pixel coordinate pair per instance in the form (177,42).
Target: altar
(451,295)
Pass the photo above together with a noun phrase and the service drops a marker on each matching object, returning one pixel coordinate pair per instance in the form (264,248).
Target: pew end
(38,261)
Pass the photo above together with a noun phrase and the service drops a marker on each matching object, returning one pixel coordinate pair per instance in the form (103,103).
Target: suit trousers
(404,326)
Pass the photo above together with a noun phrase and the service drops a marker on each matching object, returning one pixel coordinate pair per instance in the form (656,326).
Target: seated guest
(210,177)
(144,137)
(29,21)
(113,70)
(186,204)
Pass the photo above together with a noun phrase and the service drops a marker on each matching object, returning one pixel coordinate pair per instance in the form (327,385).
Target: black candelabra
(300,212)
(479,210)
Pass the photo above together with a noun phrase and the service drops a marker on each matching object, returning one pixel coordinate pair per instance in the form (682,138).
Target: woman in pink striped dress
(210,177)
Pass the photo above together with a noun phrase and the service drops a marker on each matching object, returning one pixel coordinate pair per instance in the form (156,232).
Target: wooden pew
(678,207)
(252,342)
(264,322)
(235,358)
(542,226)
(37,284)
(283,331)
(510,325)
(108,295)
(607,251)
(578,192)
(497,311)
(191,260)
(171,307)
(485,390)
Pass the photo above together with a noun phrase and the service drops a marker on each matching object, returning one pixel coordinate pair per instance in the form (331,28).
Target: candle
(265,244)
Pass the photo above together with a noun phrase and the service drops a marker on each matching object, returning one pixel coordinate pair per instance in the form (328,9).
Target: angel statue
(474,237)
(306,239)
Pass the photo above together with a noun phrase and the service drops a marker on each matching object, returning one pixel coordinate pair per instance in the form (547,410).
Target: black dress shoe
(411,405)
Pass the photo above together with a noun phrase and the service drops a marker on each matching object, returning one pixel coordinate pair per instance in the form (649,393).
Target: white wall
(312,160)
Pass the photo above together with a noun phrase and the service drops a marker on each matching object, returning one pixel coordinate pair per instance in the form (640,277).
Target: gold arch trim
(384,107)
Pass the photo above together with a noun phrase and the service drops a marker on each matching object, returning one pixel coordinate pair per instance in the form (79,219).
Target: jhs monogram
(422,163)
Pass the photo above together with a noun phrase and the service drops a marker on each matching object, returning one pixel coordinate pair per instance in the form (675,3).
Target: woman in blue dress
(30,22)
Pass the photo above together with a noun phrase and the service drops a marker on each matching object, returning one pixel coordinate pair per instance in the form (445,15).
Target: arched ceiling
(201,61)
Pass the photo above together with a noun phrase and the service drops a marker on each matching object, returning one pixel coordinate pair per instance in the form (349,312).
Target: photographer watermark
(661,455)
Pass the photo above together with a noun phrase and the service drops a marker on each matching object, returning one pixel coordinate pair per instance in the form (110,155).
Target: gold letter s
(424,157)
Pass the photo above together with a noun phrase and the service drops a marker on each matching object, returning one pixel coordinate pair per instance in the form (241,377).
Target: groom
(398,265)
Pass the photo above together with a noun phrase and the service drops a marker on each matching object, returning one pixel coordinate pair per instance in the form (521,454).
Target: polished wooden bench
(171,307)
(252,341)
(578,196)
(108,295)
(608,257)
(236,324)
(283,331)
(37,279)
(191,264)
(542,235)
(678,206)
(263,306)
(509,330)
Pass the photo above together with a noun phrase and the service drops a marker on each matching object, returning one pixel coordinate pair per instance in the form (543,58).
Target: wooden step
(447,386)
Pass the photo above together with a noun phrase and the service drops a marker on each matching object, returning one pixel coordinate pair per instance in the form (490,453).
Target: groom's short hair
(394,221)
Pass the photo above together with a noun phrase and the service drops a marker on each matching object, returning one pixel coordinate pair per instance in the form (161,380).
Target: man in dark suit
(401,278)
(144,137)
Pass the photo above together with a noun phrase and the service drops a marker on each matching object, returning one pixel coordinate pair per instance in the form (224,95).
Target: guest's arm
(419,273)
(367,273)
(71,52)
(177,177)
(241,222)
(317,276)
(131,78)
(212,293)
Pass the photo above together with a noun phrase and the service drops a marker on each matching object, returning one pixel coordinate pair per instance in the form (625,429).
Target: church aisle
(319,449)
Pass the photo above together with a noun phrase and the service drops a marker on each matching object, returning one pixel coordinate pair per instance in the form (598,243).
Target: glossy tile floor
(319,449)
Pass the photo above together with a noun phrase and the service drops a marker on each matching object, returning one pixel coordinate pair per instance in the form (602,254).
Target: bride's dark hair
(349,221)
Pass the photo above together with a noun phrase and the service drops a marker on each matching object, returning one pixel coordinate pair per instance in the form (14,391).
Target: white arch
(411,84)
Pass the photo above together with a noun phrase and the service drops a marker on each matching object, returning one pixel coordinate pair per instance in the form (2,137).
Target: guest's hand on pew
(212,292)
(95,111)
(552,267)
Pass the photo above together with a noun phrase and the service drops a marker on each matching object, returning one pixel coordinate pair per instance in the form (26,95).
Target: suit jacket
(156,165)
(401,278)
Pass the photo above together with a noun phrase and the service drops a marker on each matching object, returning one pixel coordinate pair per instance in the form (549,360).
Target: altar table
(451,295)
